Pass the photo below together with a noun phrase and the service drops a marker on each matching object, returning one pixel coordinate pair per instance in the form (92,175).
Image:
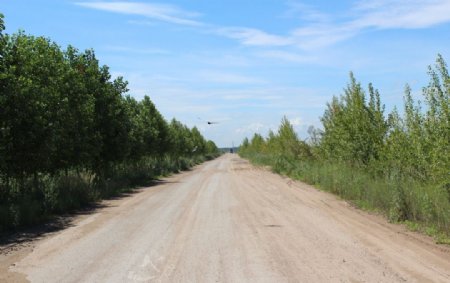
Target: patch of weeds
(440,237)
(363,204)
(443,240)
(413,226)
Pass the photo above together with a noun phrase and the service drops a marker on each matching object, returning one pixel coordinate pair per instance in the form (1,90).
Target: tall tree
(33,71)
(155,129)
(354,130)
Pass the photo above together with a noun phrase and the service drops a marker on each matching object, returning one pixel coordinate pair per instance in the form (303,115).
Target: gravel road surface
(228,221)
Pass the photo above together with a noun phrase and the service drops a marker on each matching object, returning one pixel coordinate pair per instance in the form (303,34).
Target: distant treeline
(398,164)
(69,135)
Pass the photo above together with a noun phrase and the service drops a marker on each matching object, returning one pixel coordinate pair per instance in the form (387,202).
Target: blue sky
(246,64)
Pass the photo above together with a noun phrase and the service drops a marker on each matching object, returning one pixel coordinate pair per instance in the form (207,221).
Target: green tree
(155,129)
(211,149)
(354,131)
(3,84)
(437,121)
(289,143)
(2,23)
(111,123)
(33,71)
(65,122)
(74,140)
(257,143)
(198,141)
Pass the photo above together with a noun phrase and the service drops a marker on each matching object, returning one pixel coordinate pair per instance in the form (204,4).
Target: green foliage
(2,23)
(30,93)
(354,129)
(66,193)
(397,165)
(70,135)
(418,144)
(285,143)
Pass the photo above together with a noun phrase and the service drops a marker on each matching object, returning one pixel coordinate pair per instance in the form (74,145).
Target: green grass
(425,228)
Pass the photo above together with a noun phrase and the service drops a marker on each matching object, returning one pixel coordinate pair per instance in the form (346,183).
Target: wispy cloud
(248,95)
(305,12)
(161,12)
(369,15)
(406,14)
(226,59)
(251,36)
(321,30)
(252,128)
(126,49)
(318,30)
(229,78)
(296,121)
(149,23)
(322,35)
(293,57)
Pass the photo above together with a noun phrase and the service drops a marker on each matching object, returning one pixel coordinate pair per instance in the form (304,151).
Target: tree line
(396,163)
(70,133)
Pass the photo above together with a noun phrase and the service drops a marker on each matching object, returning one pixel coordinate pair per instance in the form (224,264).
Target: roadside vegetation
(397,164)
(70,135)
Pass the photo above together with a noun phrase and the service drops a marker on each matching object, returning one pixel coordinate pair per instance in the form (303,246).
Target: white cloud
(237,97)
(322,30)
(149,23)
(373,14)
(251,128)
(251,36)
(305,12)
(127,49)
(229,78)
(406,14)
(224,60)
(248,95)
(322,35)
(297,121)
(285,56)
(162,12)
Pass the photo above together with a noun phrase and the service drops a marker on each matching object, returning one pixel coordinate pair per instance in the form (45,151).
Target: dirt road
(227,221)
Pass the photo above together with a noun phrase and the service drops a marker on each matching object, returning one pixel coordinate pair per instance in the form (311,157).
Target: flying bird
(208,122)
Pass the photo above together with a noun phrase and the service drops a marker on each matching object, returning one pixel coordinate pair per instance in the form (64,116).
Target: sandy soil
(227,221)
